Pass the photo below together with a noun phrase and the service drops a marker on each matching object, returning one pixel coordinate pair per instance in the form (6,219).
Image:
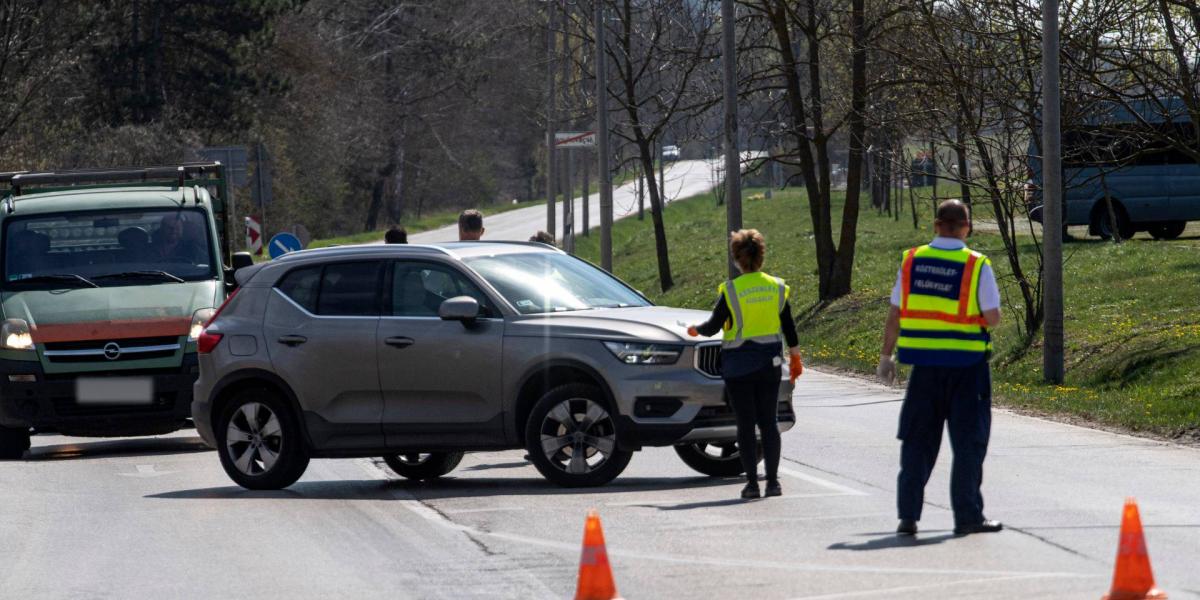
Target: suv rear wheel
(14,441)
(715,460)
(259,441)
(572,438)
(414,465)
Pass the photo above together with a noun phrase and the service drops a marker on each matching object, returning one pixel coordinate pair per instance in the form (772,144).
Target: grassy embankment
(436,219)
(1132,310)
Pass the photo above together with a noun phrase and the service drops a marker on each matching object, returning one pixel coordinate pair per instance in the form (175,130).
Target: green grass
(1132,310)
(434,220)
(428,221)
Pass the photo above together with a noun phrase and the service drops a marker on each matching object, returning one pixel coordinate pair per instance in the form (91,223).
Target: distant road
(685,178)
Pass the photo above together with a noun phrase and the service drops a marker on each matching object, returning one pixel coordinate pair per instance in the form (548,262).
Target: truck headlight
(15,335)
(199,319)
(644,354)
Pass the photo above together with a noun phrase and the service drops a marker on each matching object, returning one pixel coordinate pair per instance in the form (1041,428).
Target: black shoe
(907,527)
(750,492)
(773,488)
(984,526)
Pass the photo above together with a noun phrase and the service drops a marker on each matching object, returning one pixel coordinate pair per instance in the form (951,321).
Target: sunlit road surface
(684,179)
(158,518)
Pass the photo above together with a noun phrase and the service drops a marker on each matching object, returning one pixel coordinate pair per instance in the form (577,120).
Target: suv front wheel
(572,438)
(423,466)
(259,441)
(714,460)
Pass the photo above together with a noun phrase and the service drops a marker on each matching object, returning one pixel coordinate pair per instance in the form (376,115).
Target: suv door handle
(399,342)
(292,340)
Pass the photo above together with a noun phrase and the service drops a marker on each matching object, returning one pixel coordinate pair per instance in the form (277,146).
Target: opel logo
(112,351)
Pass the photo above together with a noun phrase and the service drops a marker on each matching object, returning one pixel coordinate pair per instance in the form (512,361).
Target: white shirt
(988,292)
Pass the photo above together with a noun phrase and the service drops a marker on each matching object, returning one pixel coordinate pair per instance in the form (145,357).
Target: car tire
(260,441)
(1104,227)
(1167,231)
(14,441)
(572,437)
(726,462)
(423,466)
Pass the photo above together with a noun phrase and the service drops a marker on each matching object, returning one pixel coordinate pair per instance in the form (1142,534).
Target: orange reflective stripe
(937,316)
(964,289)
(906,278)
(107,330)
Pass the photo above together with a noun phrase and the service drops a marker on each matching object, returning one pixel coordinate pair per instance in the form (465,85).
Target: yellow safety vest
(755,301)
(941,323)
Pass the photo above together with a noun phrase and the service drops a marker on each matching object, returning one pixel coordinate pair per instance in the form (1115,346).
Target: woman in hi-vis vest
(755,317)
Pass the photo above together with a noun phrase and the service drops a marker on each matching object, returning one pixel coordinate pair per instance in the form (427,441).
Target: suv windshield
(128,247)
(546,282)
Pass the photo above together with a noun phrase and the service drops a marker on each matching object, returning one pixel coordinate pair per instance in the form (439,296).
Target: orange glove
(795,367)
(692,331)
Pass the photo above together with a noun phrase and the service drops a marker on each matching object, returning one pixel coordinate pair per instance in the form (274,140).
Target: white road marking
(410,502)
(913,588)
(144,471)
(676,501)
(829,485)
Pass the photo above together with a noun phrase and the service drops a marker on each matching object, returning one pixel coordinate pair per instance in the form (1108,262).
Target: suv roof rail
(516,243)
(205,173)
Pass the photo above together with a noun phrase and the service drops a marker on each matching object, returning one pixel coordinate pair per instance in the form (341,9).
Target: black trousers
(960,397)
(755,400)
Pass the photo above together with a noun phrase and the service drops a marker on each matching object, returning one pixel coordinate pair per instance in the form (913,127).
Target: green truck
(106,278)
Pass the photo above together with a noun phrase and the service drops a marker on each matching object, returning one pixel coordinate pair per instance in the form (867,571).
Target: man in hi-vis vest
(944,303)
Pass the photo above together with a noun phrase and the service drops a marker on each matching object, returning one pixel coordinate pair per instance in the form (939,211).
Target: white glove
(886,371)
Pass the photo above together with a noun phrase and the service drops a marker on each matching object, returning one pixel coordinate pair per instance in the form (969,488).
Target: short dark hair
(396,235)
(953,213)
(542,237)
(470,220)
(748,249)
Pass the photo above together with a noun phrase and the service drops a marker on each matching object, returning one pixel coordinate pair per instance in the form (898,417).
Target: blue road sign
(283,243)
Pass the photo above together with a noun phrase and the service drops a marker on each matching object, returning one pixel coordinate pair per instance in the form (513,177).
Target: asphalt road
(684,179)
(158,518)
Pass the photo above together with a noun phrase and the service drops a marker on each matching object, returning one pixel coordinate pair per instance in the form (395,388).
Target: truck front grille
(118,350)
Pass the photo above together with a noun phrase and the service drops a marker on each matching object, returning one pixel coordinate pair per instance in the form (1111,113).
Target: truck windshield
(548,282)
(110,248)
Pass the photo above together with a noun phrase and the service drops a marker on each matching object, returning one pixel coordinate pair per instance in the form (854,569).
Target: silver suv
(421,353)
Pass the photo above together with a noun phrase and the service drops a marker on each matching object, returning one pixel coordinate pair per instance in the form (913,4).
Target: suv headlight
(644,354)
(199,319)
(15,335)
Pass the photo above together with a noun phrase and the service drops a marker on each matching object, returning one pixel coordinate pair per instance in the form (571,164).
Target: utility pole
(551,101)
(733,168)
(1052,329)
(606,200)
(568,230)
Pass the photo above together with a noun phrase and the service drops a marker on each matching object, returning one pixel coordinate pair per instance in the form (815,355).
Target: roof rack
(199,173)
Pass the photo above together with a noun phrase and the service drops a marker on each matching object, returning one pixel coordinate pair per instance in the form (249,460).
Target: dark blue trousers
(960,397)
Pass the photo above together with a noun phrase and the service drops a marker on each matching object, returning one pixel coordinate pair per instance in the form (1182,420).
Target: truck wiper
(142,275)
(57,277)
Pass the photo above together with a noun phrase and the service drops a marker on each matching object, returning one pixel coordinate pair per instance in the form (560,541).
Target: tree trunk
(587,200)
(840,279)
(660,232)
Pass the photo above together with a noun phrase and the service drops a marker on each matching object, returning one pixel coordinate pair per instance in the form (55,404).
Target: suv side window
(302,286)
(419,288)
(349,289)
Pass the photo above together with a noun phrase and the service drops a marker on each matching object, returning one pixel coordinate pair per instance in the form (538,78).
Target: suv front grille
(117,350)
(708,359)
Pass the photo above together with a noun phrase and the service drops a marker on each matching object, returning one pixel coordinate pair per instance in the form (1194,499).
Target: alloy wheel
(254,438)
(578,436)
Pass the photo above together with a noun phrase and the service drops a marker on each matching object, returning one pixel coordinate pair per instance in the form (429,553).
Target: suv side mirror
(459,308)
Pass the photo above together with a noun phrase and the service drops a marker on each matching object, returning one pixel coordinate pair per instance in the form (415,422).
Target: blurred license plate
(114,390)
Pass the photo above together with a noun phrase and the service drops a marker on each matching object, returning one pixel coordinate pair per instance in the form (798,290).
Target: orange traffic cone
(1132,578)
(595,574)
